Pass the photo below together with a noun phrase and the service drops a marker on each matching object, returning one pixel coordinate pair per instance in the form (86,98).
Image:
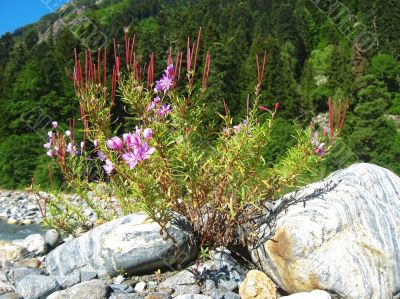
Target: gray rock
(140,286)
(156,295)
(119,279)
(224,261)
(6,287)
(209,286)
(345,239)
(34,243)
(21,272)
(127,296)
(86,276)
(36,286)
(186,289)
(121,288)
(14,210)
(223,273)
(32,207)
(316,294)
(10,296)
(184,282)
(132,244)
(11,252)
(152,284)
(28,262)
(93,289)
(52,238)
(181,278)
(225,295)
(193,296)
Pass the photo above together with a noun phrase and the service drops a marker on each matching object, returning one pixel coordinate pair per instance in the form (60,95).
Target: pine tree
(372,138)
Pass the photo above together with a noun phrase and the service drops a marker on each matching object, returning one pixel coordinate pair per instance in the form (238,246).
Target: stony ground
(19,207)
(23,275)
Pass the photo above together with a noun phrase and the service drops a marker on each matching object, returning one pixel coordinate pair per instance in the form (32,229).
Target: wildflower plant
(171,161)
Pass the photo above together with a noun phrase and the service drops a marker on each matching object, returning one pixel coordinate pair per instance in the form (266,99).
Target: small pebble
(119,279)
(140,286)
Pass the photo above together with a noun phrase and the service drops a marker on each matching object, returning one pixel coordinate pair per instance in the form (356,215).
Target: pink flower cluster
(133,148)
(163,110)
(166,81)
(56,143)
(241,126)
(319,146)
(164,84)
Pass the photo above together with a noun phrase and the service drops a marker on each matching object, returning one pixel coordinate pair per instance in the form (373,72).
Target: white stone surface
(131,244)
(346,241)
(316,294)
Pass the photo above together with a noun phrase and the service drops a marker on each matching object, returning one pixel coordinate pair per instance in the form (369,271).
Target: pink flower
(237,128)
(47,145)
(164,110)
(71,149)
(150,106)
(108,167)
(157,100)
(320,149)
(153,104)
(130,159)
(132,140)
(54,124)
(164,84)
(50,134)
(143,152)
(314,139)
(68,133)
(101,156)
(240,126)
(276,106)
(95,143)
(147,133)
(115,143)
(128,138)
(50,153)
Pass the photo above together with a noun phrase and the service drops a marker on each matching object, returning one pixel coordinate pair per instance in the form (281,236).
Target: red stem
(330,116)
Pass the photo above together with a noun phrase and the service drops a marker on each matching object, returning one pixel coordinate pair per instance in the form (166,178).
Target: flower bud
(147,133)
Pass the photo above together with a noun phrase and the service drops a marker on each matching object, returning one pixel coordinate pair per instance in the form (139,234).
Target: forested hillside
(344,50)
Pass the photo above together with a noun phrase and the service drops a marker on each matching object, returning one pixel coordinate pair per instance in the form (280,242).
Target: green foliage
(16,172)
(217,177)
(308,59)
(387,69)
(373,137)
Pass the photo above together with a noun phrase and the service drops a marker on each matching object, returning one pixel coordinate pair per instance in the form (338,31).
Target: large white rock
(33,243)
(316,294)
(131,244)
(93,289)
(10,252)
(345,240)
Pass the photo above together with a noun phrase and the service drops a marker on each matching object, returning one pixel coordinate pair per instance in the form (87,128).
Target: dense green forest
(344,50)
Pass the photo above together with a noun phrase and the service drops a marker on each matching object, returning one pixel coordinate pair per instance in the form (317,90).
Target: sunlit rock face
(131,244)
(345,240)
